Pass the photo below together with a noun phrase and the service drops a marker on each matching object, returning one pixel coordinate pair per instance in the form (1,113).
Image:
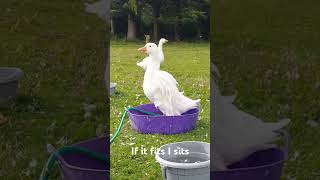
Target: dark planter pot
(9,78)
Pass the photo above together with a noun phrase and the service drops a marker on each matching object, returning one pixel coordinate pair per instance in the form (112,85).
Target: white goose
(238,134)
(144,62)
(161,88)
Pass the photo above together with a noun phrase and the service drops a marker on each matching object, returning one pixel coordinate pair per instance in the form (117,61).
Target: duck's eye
(149,46)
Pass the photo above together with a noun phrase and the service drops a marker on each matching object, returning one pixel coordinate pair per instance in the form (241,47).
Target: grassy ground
(189,64)
(269,52)
(59,48)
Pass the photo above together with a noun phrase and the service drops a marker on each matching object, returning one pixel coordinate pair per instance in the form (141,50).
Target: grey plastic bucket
(112,87)
(178,164)
(9,78)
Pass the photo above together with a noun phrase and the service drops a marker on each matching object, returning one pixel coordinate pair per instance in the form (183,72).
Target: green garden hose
(116,134)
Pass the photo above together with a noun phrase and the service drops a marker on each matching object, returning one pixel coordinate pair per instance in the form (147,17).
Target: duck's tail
(270,131)
(197,102)
(278,125)
(184,103)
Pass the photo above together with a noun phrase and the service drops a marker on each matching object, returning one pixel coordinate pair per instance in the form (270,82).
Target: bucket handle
(164,172)
(287,141)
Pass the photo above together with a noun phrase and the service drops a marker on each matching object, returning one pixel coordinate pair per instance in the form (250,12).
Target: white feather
(144,63)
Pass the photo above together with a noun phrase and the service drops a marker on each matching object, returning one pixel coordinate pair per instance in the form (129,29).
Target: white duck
(238,134)
(161,88)
(144,63)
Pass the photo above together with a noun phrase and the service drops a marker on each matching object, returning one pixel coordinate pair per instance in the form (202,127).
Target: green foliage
(132,5)
(117,8)
(169,12)
(146,14)
(124,7)
(191,15)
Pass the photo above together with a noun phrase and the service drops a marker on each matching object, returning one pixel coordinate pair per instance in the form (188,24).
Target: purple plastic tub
(261,165)
(148,124)
(74,166)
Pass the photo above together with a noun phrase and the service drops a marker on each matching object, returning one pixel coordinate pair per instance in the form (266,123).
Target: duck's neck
(153,65)
(160,46)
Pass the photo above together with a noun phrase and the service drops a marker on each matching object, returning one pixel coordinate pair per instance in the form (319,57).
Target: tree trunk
(131,33)
(106,54)
(179,6)
(199,36)
(111,27)
(155,29)
(176,32)
(156,4)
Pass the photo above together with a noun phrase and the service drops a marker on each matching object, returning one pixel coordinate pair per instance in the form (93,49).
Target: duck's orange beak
(143,50)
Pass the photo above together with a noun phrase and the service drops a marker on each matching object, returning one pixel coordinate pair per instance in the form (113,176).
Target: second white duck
(144,63)
(237,134)
(161,88)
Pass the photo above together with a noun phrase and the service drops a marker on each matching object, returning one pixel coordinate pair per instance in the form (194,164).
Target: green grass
(189,64)
(59,48)
(256,45)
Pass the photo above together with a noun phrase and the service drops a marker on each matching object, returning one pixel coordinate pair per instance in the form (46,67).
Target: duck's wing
(167,83)
(165,88)
(144,63)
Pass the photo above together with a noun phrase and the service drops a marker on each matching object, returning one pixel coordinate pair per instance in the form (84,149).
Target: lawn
(59,48)
(189,64)
(268,51)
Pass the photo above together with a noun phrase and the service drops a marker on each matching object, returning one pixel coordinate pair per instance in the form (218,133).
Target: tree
(133,10)
(156,7)
(116,11)
(171,15)
(177,18)
(182,13)
(193,13)
(128,8)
